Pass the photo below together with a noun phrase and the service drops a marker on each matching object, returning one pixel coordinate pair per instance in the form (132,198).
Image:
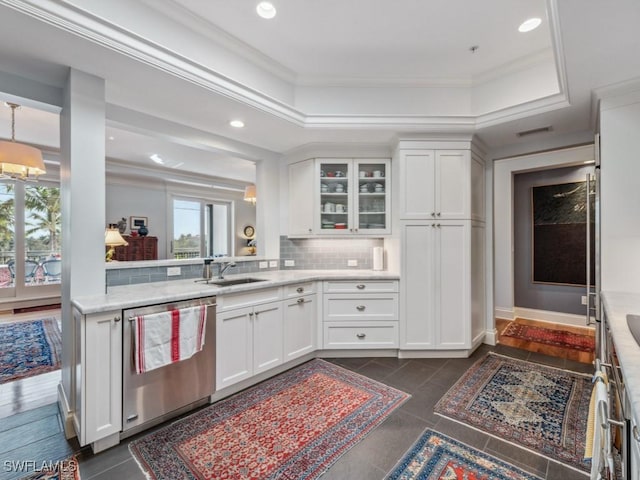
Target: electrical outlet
(352,263)
(173,271)
(262,265)
(273,263)
(289,263)
(584,299)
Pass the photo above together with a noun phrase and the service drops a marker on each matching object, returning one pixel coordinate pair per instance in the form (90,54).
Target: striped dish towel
(168,337)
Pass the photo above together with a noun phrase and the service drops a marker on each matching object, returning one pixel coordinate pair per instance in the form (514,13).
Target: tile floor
(425,379)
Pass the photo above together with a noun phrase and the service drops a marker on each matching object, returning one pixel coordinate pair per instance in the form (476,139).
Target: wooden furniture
(139,248)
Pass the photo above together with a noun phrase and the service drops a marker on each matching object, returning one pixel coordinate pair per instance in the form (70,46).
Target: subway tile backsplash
(327,253)
(130,276)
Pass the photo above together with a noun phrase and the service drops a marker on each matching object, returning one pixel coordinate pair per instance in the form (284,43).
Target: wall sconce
(112,239)
(250,194)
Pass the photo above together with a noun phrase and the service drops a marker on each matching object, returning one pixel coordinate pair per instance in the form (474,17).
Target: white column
(268,208)
(82,185)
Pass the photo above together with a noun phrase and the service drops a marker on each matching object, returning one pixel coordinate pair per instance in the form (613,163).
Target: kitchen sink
(235,281)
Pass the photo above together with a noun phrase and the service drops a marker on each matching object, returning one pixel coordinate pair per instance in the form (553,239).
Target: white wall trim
(553,317)
(504,313)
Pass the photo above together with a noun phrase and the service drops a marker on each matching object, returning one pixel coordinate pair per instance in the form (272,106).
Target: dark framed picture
(136,222)
(560,234)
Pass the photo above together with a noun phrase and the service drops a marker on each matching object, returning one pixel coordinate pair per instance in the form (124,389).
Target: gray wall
(553,298)
(328,253)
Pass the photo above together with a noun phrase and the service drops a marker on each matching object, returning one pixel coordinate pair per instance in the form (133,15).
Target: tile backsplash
(327,253)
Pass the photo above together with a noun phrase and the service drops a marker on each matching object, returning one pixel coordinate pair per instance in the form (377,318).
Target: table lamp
(112,239)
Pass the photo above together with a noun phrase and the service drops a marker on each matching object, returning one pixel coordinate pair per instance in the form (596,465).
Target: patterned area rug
(541,408)
(66,469)
(437,457)
(29,348)
(550,336)
(293,426)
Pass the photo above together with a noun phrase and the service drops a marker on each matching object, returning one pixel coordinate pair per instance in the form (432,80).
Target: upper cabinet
(441,184)
(331,196)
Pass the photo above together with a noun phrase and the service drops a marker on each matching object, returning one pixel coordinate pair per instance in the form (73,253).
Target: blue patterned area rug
(540,408)
(29,348)
(437,457)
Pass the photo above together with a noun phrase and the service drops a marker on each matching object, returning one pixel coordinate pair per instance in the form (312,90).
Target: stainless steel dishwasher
(157,395)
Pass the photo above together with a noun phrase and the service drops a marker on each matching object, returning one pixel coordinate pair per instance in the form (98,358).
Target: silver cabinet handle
(636,434)
(433,214)
(300,301)
(310,230)
(251,314)
(299,289)
(361,286)
(438,214)
(116,319)
(361,308)
(438,225)
(361,335)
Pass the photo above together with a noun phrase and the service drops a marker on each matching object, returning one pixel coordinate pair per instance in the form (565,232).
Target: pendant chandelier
(17,160)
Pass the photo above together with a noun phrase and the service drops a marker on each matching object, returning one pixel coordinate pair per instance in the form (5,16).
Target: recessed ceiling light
(236,123)
(530,24)
(156,158)
(266,10)
(111,137)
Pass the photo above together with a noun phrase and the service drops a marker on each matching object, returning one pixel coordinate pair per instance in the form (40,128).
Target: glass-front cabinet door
(354,196)
(372,196)
(335,178)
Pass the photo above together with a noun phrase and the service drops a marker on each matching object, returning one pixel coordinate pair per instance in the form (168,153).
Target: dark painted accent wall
(554,298)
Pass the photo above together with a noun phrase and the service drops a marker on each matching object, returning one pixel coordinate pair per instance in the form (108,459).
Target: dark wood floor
(37,434)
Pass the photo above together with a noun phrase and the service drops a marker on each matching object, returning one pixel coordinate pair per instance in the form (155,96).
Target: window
(201,228)
(30,240)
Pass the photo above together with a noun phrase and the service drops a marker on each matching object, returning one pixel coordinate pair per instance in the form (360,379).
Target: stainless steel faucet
(223,266)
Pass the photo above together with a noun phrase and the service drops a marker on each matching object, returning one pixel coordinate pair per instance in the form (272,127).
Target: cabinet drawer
(238,300)
(361,307)
(297,289)
(349,336)
(355,286)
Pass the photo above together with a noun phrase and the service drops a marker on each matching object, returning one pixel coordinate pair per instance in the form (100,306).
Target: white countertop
(617,305)
(128,296)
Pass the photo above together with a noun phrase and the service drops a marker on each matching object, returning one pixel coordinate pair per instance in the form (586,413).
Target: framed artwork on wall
(136,222)
(559,232)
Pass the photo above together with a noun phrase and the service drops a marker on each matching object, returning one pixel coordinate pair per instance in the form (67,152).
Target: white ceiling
(236,65)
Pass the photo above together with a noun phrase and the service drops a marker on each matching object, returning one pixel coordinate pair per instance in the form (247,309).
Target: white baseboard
(504,312)
(65,413)
(555,317)
(491,337)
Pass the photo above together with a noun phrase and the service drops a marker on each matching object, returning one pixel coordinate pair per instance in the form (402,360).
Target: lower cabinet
(360,315)
(300,326)
(442,292)
(248,341)
(98,375)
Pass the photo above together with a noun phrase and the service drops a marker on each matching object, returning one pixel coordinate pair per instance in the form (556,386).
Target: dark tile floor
(425,379)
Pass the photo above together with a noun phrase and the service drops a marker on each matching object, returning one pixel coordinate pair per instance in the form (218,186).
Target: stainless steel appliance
(153,397)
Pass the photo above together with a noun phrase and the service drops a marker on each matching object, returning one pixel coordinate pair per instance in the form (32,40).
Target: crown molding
(96,29)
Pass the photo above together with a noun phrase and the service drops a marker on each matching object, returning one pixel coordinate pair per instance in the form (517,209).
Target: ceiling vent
(534,131)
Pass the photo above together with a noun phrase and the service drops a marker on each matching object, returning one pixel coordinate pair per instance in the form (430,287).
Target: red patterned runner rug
(293,426)
(550,336)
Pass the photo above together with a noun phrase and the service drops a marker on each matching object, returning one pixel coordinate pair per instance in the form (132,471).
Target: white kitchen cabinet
(441,308)
(302,201)
(360,314)
(331,196)
(300,320)
(98,380)
(441,184)
(249,341)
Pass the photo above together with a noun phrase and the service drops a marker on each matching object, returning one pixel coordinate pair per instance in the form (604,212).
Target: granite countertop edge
(131,296)
(617,305)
